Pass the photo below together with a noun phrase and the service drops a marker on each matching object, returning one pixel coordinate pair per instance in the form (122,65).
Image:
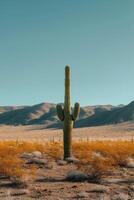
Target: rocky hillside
(45,113)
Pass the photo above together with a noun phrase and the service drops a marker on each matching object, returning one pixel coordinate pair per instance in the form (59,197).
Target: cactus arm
(60,112)
(76,111)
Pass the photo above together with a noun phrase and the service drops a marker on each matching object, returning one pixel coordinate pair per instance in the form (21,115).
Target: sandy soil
(123,131)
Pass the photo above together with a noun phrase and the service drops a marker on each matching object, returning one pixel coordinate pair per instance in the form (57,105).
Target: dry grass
(96,157)
(100,157)
(117,151)
(11,165)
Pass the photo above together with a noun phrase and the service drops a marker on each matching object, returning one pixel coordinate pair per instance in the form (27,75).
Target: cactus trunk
(66,116)
(68,123)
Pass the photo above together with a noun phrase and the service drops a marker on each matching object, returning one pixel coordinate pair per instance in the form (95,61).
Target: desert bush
(54,150)
(11,165)
(76,176)
(95,168)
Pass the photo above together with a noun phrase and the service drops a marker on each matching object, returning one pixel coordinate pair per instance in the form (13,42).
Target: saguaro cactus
(67,116)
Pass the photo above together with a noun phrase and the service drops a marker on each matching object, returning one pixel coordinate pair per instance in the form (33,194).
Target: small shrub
(95,168)
(76,176)
(11,165)
(54,150)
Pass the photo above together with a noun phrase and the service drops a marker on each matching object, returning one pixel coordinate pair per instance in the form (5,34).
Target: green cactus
(68,117)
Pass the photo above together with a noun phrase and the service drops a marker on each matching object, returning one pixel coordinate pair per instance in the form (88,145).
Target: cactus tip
(67,68)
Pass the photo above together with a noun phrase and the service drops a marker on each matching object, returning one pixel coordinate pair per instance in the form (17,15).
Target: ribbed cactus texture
(68,117)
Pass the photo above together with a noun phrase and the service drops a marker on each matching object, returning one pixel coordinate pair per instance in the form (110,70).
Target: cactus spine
(67,116)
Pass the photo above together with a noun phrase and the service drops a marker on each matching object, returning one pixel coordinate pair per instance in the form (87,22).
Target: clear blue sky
(39,37)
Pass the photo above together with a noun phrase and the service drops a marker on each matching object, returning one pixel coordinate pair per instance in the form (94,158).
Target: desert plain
(50,181)
(122,131)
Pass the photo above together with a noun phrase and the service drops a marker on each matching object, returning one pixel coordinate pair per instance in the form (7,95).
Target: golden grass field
(100,154)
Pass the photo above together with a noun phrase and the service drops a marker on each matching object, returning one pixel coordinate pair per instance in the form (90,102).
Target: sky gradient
(39,37)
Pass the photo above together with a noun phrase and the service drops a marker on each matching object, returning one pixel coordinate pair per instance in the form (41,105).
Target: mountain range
(45,113)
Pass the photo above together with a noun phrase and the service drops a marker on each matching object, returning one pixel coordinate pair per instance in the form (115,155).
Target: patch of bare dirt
(51,184)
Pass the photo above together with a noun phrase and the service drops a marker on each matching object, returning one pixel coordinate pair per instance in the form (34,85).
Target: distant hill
(25,115)
(9,108)
(45,113)
(115,115)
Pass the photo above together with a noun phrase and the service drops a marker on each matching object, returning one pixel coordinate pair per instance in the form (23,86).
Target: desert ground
(123,131)
(50,182)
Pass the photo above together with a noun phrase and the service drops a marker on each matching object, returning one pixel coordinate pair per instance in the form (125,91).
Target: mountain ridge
(45,114)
